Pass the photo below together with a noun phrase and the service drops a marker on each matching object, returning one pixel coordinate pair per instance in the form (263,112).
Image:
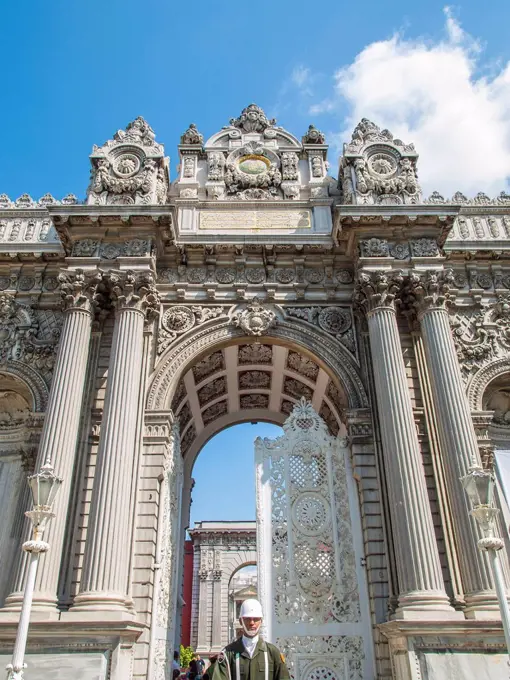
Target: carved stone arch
(32,379)
(238,561)
(482,379)
(335,358)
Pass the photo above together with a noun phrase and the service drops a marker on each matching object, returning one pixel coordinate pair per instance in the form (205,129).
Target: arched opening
(496,402)
(217,377)
(17,458)
(242,586)
(222,532)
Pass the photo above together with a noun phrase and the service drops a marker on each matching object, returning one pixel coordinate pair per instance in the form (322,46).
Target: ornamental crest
(253,167)
(378,169)
(129,169)
(255,319)
(252,119)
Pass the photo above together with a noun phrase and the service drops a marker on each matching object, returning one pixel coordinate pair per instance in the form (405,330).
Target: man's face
(251,625)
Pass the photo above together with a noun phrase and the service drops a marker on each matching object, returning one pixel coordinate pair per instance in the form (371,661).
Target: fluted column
(457,435)
(105,577)
(421,588)
(60,430)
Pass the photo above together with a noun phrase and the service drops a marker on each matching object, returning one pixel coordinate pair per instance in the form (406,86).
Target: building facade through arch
(219,550)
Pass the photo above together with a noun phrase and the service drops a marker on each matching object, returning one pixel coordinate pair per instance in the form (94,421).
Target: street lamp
(44,486)
(479,486)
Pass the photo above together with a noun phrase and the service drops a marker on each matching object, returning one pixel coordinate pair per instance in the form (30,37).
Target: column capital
(377,290)
(428,290)
(135,290)
(80,290)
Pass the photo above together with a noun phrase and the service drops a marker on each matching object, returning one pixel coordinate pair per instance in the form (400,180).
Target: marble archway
(219,373)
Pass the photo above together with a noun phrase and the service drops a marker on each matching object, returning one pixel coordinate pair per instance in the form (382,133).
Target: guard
(250,657)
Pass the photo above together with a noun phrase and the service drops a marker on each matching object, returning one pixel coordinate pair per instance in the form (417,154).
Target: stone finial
(313,136)
(192,136)
(252,119)
(138,131)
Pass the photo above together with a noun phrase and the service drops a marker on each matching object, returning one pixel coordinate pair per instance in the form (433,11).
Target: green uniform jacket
(250,669)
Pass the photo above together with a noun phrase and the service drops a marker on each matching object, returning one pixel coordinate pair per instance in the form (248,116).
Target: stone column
(421,588)
(457,436)
(60,431)
(105,578)
(216,609)
(203,640)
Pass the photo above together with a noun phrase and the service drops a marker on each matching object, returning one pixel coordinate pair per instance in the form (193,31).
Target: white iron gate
(311,582)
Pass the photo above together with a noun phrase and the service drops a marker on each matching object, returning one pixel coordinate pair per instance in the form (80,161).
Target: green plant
(186,654)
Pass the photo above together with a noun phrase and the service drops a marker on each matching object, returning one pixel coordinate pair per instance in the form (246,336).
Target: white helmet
(251,609)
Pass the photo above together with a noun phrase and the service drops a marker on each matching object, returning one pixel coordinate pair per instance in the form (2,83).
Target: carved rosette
(135,290)
(179,319)
(80,290)
(255,319)
(377,290)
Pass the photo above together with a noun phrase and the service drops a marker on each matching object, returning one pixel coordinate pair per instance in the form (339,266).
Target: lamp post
(44,486)
(479,486)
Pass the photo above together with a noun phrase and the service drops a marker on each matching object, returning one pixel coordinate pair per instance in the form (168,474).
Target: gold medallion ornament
(253,164)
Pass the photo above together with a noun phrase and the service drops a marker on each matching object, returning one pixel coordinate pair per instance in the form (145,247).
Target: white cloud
(432,94)
(300,76)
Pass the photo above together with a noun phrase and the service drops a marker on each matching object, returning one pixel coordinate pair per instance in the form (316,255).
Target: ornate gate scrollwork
(309,580)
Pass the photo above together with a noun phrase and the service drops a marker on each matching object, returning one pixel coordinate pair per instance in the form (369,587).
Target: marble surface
(446,665)
(60,666)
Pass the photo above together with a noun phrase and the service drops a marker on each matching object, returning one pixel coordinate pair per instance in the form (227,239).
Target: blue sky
(224,474)
(75,72)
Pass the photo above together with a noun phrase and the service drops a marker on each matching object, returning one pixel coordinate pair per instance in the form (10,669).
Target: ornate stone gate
(251,280)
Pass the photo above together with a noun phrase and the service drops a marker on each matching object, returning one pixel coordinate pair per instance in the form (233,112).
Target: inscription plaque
(255,219)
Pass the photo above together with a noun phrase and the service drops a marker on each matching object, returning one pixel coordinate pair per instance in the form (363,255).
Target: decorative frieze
(109,251)
(481,199)
(403,250)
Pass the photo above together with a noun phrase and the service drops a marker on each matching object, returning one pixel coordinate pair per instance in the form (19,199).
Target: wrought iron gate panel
(311,583)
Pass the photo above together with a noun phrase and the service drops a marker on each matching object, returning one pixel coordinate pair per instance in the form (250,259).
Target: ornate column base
(425,605)
(43,609)
(99,602)
(482,606)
